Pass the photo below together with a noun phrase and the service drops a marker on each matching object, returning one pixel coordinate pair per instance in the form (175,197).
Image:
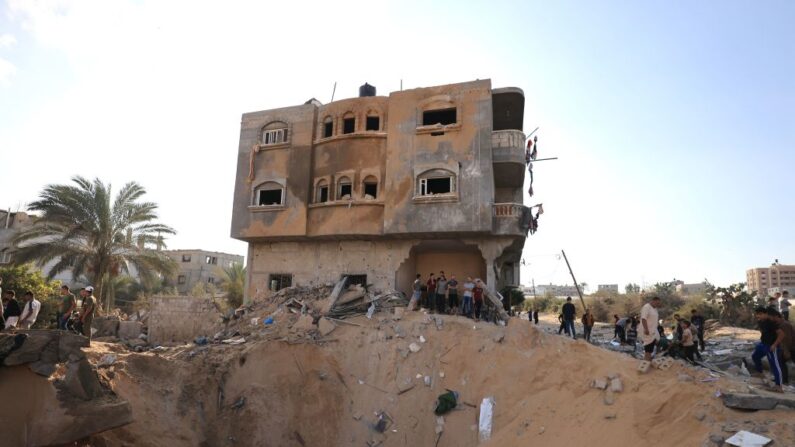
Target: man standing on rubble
(87,312)
(477,297)
(466,304)
(785,304)
(648,320)
(770,344)
(431,286)
(30,311)
(587,324)
(452,294)
(787,345)
(65,307)
(441,289)
(417,292)
(697,320)
(569,313)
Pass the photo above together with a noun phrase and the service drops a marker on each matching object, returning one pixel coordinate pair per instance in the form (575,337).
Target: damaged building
(381,188)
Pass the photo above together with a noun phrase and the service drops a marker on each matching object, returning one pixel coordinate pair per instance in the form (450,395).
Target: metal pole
(579,292)
(544,159)
(333,91)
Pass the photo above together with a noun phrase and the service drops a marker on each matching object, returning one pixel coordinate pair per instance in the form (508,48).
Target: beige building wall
(762,279)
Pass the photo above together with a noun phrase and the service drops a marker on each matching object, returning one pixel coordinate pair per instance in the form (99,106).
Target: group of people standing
(776,341)
(440,295)
(16,315)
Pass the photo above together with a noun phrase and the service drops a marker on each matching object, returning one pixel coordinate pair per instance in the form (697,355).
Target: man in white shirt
(30,311)
(648,320)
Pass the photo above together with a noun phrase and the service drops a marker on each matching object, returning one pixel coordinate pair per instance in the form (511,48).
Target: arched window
(344,188)
(269,194)
(328,127)
(348,123)
(274,133)
(370,189)
(435,182)
(373,122)
(321,192)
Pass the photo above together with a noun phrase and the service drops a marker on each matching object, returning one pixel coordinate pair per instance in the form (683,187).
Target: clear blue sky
(674,121)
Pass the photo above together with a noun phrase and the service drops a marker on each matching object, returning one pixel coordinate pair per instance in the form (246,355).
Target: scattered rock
(757,401)
(616,386)
(397,313)
(42,368)
(499,337)
(414,347)
(304,323)
(357,416)
(611,416)
(643,367)
(684,378)
(700,414)
(716,439)
(404,386)
(609,397)
(326,326)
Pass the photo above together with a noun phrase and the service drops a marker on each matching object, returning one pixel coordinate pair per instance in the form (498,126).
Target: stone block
(644,366)
(326,326)
(616,385)
(81,381)
(31,349)
(600,384)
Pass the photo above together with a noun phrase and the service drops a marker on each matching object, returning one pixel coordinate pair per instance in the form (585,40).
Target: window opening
(328,128)
(181,279)
(372,123)
(345,189)
(212,260)
(442,116)
(356,279)
(268,197)
(211,280)
(322,192)
(185,258)
(278,281)
(370,187)
(429,186)
(348,125)
(274,136)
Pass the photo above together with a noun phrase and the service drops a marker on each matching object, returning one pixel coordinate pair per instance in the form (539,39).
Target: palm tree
(233,281)
(83,228)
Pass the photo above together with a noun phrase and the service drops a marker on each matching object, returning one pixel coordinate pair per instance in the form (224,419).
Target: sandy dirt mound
(304,392)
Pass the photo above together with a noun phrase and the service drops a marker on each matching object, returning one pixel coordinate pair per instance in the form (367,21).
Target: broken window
(321,194)
(269,194)
(441,116)
(435,182)
(181,279)
(278,281)
(212,260)
(274,133)
(328,127)
(373,123)
(185,258)
(370,187)
(211,280)
(356,279)
(5,257)
(344,188)
(348,123)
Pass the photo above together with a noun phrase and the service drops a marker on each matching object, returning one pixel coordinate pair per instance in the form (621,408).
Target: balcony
(511,219)
(508,158)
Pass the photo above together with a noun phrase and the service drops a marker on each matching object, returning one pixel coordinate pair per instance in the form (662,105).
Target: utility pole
(579,292)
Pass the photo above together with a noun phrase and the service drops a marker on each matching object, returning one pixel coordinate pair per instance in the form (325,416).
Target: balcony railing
(508,146)
(508,209)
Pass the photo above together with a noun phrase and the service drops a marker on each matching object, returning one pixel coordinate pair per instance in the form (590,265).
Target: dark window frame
(444,117)
(283,280)
(372,123)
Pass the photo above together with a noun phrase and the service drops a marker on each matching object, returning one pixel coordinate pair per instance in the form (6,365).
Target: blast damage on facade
(384,188)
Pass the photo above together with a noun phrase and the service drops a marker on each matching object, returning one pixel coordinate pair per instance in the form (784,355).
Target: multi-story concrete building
(609,288)
(778,276)
(556,290)
(199,266)
(384,187)
(686,289)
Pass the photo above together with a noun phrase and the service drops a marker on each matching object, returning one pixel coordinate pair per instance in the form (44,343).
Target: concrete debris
(609,397)
(748,439)
(766,401)
(326,326)
(663,363)
(611,415)
(616,386)
(414,347)
(600,384)
(685,378)
(405,386)
(397,313)
(106,360)
(130,329)
(643,367)
(422,339)
(304,323)
(499,337)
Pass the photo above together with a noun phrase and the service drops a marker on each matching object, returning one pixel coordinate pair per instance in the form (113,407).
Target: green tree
(631,288)
(736,303)
(233,283)
(22,278)
(83,227)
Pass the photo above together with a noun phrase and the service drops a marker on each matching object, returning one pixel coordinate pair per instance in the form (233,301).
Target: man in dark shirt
(698,321)
(787,345)
(11,310)
(770,345)
(569,313)
(430,300)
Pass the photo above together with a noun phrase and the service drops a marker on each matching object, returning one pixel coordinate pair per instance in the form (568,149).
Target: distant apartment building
(608,288)
(768,280)
(199,266)
(556,290)
(686,289)
(11,224)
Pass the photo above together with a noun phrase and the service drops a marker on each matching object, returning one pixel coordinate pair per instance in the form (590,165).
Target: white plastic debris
(422,339)
(370,311)
(414,347)
(484,421)
(747,439)
(722,352)
(107,360)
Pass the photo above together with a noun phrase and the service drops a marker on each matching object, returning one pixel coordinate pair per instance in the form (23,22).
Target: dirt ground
(291,391)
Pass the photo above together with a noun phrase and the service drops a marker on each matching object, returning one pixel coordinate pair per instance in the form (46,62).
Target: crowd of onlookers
(441,295)
(15,315)
(686,340)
